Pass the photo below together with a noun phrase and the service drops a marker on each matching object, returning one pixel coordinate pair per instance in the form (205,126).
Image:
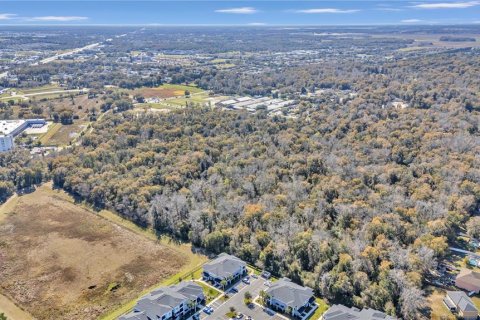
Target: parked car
(246,281)
(233,290)
(240,316)
(269,311)
(208,310)
(254,276)
(267,283)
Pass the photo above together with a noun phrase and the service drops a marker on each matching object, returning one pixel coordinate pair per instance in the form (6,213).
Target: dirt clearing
(60,261)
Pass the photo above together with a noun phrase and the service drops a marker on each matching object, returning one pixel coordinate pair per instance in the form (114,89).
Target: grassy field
(166,91)
(191,269)
(66,133)
(64,262)
(322,307)
(54,128)
(39,89)
(61,135)
(209,292)
(435,299)
(199,98)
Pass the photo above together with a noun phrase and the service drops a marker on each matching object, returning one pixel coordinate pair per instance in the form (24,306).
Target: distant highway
(27,95)
(52,92)
(73,51)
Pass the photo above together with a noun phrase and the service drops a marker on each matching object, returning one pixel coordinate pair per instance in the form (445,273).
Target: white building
(252,104)
(6,143)
(12,128)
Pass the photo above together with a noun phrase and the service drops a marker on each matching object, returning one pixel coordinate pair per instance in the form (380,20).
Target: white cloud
(242,10)
(327,10)
(447,5)
(7,16)
(257,24)
(411,21)
(59,18)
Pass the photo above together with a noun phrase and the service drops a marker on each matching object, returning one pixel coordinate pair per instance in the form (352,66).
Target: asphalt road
(221,308)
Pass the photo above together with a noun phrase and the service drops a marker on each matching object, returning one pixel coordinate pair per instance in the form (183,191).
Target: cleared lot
(61,261)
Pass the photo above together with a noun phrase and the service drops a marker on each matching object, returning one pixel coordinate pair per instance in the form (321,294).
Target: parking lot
(221,307)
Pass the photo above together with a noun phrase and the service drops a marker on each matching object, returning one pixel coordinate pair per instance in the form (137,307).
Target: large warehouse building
(12,128)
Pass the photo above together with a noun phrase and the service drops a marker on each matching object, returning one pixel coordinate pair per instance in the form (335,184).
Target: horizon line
(266,25)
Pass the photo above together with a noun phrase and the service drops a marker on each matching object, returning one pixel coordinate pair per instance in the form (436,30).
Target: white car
(267,283)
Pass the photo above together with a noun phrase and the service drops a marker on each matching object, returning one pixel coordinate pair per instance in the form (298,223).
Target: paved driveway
(236,300)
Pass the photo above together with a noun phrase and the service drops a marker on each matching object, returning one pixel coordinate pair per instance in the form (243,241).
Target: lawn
(438,310)
(209,292)
(66,133)
(199,98)
(66,262)
(476,301)
(54,128)
(322,307)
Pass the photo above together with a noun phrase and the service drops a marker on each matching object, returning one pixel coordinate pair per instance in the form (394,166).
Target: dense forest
(19,172)
(355,202)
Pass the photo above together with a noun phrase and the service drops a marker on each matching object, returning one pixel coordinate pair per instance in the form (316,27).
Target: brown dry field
(79,100)
(160,92)
(58,260)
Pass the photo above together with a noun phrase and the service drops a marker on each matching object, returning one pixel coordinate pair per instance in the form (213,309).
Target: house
(459,302)
(341,312)
(291,298)
(468,280)
(225,268)
(174,302)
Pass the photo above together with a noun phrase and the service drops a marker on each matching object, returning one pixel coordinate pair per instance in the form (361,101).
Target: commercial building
(6,143)
(253,104)
(9,129)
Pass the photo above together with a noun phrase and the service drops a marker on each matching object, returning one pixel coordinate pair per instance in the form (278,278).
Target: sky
(245,13)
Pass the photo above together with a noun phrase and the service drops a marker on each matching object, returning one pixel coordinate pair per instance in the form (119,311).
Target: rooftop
(162,300)
(224,265)
(461,300)
(292,294)
(341,312)
(8,126)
